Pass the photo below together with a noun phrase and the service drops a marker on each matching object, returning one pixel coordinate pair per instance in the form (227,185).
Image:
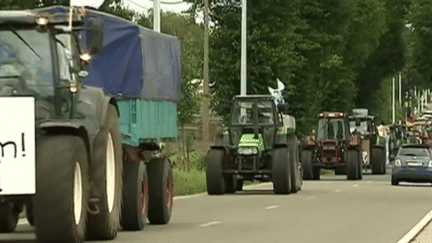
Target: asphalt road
(330,210)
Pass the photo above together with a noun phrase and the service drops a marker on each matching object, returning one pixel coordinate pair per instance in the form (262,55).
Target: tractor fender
(69,127)
(220,147)
(92,108)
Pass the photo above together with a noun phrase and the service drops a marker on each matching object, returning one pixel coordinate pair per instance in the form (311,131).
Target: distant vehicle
(413,163)
(373,146)
(260,144)
(332,148)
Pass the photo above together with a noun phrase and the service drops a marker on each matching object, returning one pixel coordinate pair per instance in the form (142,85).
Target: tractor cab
(254,119)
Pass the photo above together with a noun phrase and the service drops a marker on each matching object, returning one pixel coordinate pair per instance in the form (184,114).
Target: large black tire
(340,170)
(8,217)
(61,183)
(107,179)
(296,170)
(307,156)
(353,165)
(214,176)
(230,183)
(310,172)
(281,174)
(360,170)
(239,186)
(135,197)
(29,213)
(394,181)
(379,161)
(161,191)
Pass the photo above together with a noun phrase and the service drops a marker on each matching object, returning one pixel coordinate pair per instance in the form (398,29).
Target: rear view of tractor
(372,144)
(333,147)
(259,144)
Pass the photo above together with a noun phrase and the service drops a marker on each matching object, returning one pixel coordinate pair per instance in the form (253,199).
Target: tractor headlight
(398,163)
(247,151)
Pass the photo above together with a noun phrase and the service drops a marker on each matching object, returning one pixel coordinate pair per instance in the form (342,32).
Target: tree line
(332,55)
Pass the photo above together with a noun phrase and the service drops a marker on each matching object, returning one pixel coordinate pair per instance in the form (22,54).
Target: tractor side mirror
(95,35)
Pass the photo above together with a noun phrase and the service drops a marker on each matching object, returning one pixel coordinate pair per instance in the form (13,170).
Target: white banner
(17,146)
(90,3)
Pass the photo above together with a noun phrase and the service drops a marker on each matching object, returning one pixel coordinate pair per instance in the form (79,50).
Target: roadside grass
(189,182)
(326,172)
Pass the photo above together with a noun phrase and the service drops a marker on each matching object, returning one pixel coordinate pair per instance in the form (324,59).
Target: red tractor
(332,147)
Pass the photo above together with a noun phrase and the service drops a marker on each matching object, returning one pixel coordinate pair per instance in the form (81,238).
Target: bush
(197,161)
(187,183)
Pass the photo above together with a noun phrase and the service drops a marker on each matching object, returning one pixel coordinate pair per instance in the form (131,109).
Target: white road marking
(272,207)
(189,196)
(355,185)
(416,229)
(209,224)
(337,190)
(310,198)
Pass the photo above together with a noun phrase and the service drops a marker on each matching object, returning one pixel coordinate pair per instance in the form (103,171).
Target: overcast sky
(144,5)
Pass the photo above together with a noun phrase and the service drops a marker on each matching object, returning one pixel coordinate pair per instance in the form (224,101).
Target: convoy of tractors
(88,173)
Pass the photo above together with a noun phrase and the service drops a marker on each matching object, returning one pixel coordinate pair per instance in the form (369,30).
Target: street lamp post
(156,15)
(243,83)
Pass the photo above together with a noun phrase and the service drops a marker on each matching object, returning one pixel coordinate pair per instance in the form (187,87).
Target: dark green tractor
(260,144)
(373,146)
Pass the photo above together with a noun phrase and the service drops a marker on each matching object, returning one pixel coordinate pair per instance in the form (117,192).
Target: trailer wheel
(353,167)
(379,162)
(107,171)
(214,177)
(60,204)
(281,174)
(8,217)
(29,213)
(161,191)
(135,197)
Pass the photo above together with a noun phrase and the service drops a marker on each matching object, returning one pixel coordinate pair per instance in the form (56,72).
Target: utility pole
(156,15)
(400,90)
(206,108)
(393,101)
(243,78)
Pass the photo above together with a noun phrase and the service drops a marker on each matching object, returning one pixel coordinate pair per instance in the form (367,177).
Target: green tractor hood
(248,140)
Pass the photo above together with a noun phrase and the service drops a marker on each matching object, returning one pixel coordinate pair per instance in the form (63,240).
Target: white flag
(90,3)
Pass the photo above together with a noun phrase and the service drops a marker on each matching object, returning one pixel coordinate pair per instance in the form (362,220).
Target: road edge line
(416,229)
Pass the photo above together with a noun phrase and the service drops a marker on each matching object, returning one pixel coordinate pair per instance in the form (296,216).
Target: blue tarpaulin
(135,62)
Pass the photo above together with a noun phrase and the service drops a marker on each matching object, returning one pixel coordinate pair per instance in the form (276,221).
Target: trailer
(86,102)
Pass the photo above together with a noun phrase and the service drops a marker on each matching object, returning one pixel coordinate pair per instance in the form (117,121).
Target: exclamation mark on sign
(22,143)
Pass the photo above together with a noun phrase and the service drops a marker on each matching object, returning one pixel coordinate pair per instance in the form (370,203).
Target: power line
(139,5)
(170,3)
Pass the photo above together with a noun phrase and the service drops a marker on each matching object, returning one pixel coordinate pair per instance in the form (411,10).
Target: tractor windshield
(25,61)
(361,126)
(332,129)
(244,113)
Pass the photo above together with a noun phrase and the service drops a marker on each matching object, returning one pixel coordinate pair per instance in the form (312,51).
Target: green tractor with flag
(259,144)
